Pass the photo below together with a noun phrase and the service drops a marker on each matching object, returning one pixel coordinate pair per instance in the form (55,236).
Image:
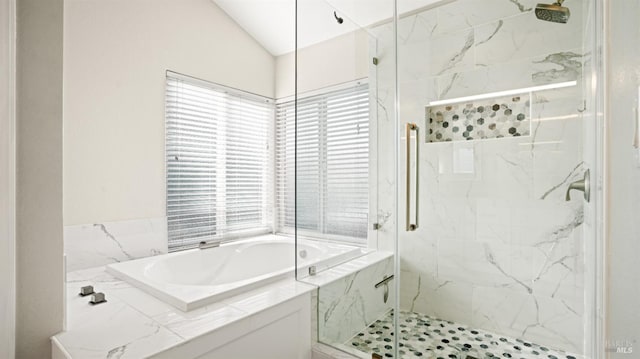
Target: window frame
(266,195)
(310,234)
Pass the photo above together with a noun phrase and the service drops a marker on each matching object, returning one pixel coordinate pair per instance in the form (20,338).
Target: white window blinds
(332,160)
(218,162)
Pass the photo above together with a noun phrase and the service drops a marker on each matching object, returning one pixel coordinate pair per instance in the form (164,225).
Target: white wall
(623,237)
(39,309)
(339,60)
(116,53)
(7,180)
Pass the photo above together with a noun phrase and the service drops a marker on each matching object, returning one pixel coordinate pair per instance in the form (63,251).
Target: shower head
(338,18)
(553,12)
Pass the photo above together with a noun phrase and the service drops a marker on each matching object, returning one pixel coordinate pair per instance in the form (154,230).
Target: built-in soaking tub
(194,278)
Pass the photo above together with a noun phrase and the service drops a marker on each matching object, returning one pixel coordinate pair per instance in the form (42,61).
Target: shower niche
(507,116)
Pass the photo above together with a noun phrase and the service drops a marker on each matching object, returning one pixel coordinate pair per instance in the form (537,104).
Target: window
(219,165)
(333,164)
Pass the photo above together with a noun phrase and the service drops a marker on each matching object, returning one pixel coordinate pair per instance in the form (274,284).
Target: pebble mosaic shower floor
(426,337)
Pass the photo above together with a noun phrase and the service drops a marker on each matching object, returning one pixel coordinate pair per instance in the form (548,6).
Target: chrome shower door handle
(411,127)
(636,122)
(583,185)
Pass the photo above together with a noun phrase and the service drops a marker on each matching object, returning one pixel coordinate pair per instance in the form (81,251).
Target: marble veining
(104,230)
(133,324)
(459,55)
(520,6)
(570,64)
(450,83)
(350,303)
(91,245)
(491,259)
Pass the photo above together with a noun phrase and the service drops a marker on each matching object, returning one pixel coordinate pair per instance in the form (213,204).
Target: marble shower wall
(98,244)
(498,248)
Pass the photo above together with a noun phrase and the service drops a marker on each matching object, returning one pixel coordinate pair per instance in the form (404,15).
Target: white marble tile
(557,126)
(211,317)
(112,330)
(537,223)
(141,301)
(559,67)
(113,287)
(417,28)
(446,217)
(560,274)
(199,321)
(451,52)
(426,293)
(92,245)
(521,73)
(473,263)
(457,14)
(492,218)
(419,254)
(415,95)
(524,36)
(133,324)
(268,296)
(347,305)
(314,315)
(506,170)
(540,319)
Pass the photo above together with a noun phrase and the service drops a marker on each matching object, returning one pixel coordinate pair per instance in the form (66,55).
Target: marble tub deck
(426,337)
(134,324)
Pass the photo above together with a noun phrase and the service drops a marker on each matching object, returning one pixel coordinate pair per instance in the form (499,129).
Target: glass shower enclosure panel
(497,263)
(333,131)
(344,155)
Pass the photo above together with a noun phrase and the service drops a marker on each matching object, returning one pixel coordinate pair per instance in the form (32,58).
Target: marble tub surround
(133,324)
(96,244)
(498,248)
(346,301)
(348,304)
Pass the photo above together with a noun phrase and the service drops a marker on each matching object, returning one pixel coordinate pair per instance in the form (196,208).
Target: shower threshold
(426,337)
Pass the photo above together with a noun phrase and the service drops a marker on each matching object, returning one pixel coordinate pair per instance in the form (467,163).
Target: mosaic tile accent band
(424,337)
(499,117)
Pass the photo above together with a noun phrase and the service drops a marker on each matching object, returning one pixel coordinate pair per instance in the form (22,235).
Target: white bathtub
(194,278)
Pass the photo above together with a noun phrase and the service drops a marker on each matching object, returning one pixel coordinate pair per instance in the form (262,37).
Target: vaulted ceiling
(273,22)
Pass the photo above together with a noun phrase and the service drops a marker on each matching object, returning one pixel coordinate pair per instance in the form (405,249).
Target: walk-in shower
(477,126)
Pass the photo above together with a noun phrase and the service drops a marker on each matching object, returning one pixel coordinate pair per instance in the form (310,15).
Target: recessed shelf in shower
(498,117)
